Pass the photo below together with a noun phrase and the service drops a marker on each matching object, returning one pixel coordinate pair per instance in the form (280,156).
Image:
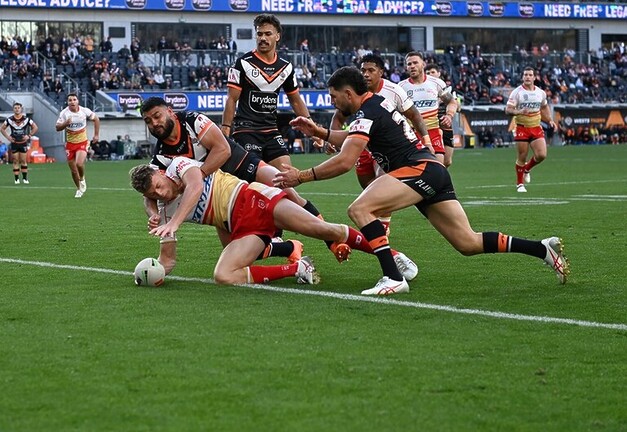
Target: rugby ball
(149,272)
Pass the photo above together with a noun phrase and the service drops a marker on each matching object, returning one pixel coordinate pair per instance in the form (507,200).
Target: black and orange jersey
(391,140)
(260,84)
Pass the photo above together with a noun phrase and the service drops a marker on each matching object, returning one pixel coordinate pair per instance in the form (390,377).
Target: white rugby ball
(149,272)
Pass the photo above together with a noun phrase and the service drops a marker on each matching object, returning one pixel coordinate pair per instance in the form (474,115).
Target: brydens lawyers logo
(129,100)
(475,9)
(178,101)
(525,10)
(443,8)
(496,9)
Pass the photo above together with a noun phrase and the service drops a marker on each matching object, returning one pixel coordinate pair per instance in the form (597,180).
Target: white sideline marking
(351,297)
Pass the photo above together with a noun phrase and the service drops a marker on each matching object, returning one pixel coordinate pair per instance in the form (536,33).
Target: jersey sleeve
(291,84)
(235,74)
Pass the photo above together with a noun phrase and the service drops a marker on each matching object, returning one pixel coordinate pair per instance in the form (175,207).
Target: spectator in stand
(124,52)
(203,84)
(135,49)
(88,44)
(186,54)
(175,55)
(106,46)
(162,47)
(158,78)
(201,47)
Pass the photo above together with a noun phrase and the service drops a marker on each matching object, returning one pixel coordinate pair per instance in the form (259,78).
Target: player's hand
(153,221)
(446,121)
(327,147)
(167,230)
(304,125)
(286,178)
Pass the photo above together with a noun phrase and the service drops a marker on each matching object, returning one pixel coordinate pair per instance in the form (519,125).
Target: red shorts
(436,140)
(528,134)
(253,211)
(365,164)
(71,149)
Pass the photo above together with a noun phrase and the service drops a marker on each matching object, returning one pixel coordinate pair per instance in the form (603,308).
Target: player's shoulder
(438,81)
(390,88)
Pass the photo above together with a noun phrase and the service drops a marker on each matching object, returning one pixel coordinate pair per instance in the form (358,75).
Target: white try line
(349,297)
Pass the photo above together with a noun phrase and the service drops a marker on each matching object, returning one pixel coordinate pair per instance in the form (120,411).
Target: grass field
(487,343)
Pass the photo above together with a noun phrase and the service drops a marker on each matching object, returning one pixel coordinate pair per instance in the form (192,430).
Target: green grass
(83,349)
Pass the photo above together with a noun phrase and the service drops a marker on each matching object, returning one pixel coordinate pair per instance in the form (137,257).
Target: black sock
(374,232)
(494,242)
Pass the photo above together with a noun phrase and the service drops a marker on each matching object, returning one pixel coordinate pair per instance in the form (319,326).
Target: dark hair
(529,68)
(267,19)
(371,58)
(141,177)
(152,102)
(348,76)
(414,54)
(432,66)
(71,94)
(17,103)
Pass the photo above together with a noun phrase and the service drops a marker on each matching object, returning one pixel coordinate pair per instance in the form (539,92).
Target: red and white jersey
(533,100)
(395,94)
(426,97)
(216,201)
(76,132)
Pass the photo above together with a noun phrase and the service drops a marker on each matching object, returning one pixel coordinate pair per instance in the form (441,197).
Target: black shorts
(447,137)
(268,146)
(242,164)
(431,180)
(19,148)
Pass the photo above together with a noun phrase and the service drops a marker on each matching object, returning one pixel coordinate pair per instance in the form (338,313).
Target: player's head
(158,116)
(151,183)
(414,64)
(433,70)
(372,68)
(529,75)
(72,101)
(345,85)
(17,108)
(268,32)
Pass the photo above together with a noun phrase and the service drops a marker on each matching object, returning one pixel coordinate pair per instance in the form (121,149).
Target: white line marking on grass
(511,185)
(350,297)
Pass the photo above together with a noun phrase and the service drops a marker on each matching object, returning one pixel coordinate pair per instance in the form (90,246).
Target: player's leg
(450,220)
(235,264)
(384,195)
(23,166)
(81,156)
(539,150)
(522,148)
(16,167)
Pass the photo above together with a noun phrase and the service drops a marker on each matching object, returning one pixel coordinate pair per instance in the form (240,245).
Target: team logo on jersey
(233,75)
(263,102)
(359,114)
(254,73)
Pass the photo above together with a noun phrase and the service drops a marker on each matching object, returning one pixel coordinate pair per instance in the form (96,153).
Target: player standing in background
(529,106)
(428,93)
(255,80)
(366,168)
(22,129)
(443,111)
(73,119)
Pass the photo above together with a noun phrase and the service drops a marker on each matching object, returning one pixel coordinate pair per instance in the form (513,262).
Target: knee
(540,157)
(221,278)
(354,211)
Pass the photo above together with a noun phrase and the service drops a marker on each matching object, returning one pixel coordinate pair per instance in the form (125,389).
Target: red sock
(262,274)
(356,240)
(532,162)
(520,172)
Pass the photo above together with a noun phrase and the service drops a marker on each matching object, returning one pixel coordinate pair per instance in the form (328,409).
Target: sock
(312,209)
(262,274)
(494,242)
(374,232)
(386,223)
(16,173)
(24,171)
(356,240)
(532,162)
(520,171)
(277,249)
